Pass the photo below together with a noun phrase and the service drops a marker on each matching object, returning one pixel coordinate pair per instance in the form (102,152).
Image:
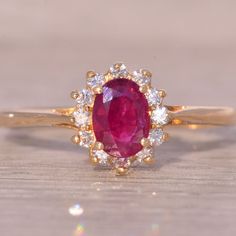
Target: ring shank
(37,118)
(202,116)
(188,116)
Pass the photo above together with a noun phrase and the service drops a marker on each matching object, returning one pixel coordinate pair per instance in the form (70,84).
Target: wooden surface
(46,47)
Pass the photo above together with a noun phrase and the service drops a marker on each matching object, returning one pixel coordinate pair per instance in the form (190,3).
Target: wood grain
(46,47)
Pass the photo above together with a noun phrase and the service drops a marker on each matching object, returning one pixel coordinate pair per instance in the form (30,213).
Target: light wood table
(46,47)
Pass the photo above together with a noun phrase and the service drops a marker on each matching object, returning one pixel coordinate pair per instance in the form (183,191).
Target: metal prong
(162,93)
(75,139)
(143,89)
(72,120)
(145,142)
(155,126)
(90,74)
(94,160)
(146,73)
(118,65)
(121,171)
(98,146)
(166,137)
(108,76)
(149,160)
(74,94)
(88,108)
(85,127)
(98,90)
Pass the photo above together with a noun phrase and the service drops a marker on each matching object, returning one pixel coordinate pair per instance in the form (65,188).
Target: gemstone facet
(120,118)
(153,97)
(118,70)
(160,116)
(101,156)
(156,136)
(85,98)
(96,81)
(146,152)
(82,117)
(86,138)
(140,78)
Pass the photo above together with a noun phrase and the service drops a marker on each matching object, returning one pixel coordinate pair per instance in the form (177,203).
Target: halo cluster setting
(120,118)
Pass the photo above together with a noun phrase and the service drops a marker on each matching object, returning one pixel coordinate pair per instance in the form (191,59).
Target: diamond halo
(159,117)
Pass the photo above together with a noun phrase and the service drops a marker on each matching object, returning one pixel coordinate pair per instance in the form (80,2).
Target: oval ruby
(120,118)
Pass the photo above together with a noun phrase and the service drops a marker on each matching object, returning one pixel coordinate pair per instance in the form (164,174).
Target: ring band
(120,117)
(189,116)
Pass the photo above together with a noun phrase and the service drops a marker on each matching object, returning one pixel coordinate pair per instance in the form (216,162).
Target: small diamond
(141,79)
(156,136)
(153,97)
(85,98)
(160,116)
(86,138)
(118,70)
(146,152)
(96,81)
(101,156)
(121,162)
(82,117)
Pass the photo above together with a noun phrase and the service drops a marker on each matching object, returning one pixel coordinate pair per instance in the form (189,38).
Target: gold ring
(120,117)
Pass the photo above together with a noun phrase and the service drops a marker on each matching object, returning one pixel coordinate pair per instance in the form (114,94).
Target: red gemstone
(120,118)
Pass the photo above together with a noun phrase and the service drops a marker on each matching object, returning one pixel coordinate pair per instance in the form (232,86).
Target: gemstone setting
(145,153)
(156,136)
(101,156)
(118,70)
(96,81)
(160,116)
(85,98)
(153,97)
(142,78)
(120,118)
(86,138)
(82,117)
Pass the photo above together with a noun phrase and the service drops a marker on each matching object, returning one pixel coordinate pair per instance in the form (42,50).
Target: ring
(120,117)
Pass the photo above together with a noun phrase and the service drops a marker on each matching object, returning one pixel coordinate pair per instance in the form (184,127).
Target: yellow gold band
(62,117)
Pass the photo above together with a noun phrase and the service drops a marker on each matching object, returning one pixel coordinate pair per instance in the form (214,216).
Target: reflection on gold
(193,127)
(79,231)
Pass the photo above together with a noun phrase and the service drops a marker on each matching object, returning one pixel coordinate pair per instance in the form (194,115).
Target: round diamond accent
(118,70)
(96,81)
(146,152)
(101,156)
(156,136)
(85,98)
(141,79)
(86,138)
(121,162)
(153,97)
(82,117)
(160,116)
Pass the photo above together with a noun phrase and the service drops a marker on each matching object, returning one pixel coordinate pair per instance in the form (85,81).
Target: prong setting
(74,94)
(98,90)
(121,171)
(144,89)
(162,93)
(145,142)
(75,139)
(82,117)
(98,146)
